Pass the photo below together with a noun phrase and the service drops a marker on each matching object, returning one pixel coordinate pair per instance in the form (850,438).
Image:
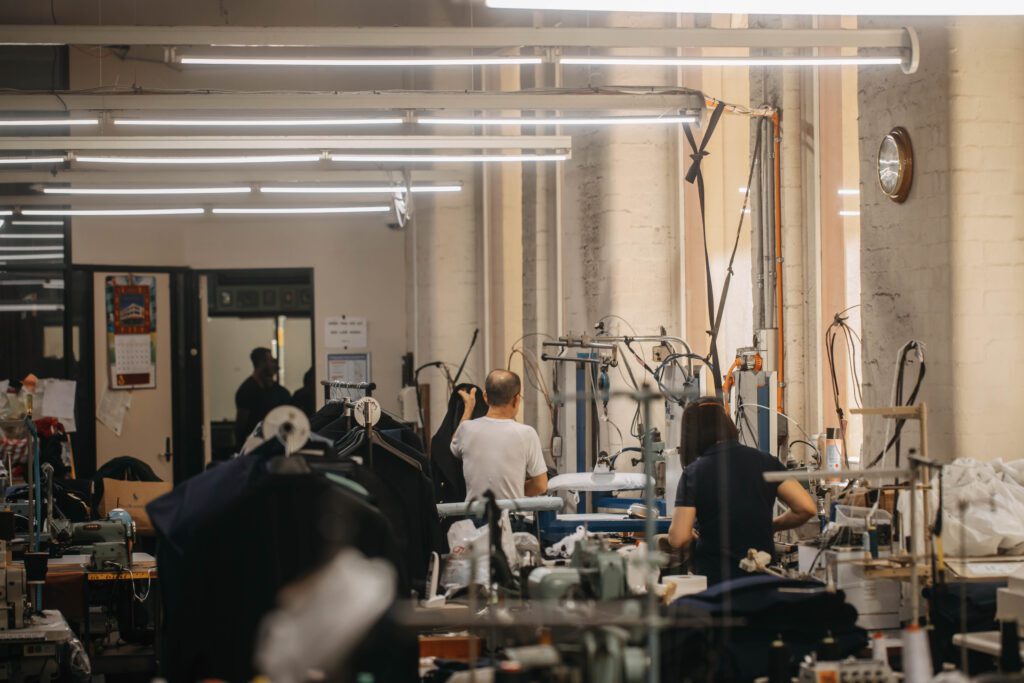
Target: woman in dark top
(723,490)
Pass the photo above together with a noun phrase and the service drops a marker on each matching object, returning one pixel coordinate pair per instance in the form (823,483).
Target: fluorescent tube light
(36,249)
(6,212)
(838,7)
(32,160)
(848,214)
(30,308)
(846,192)
(39,224)
(235,123)
(30,236)
(559,121)
(243,159)
(445,158)
(48,122)
(109,212)
(123,191)
(303,210)
(345,62)
(31,257)
(731,61)
(352,189)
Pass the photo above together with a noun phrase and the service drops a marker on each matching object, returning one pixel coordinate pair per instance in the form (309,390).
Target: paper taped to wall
(113,408)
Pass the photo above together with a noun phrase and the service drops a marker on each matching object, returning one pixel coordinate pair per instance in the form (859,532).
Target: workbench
(77,591)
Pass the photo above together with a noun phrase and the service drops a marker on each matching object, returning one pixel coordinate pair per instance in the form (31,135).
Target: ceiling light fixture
(31,257)
(281,123)
(30,236)
(303,210)
(29,308)
(360,62)
(446,158)
(845,192)
(243,159)
(840,7)
(559,121)
(39,224)
(32,160)
(110,212)
(6,212)
(849,214)
(13,123)
(35,249)
(731,61)
(144,191)
(354,189)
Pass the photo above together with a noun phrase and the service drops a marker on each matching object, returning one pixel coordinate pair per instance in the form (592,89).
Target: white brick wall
(947,267)
(986,114)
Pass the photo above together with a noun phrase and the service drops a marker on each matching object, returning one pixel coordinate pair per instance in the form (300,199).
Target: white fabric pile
(993,520)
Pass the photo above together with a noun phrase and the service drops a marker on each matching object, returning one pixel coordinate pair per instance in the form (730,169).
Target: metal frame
(640,98)
(448,37)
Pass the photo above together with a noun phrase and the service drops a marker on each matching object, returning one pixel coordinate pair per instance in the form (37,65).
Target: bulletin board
(131,331)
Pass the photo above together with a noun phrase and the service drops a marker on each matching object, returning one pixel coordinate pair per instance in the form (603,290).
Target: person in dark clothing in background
(304,397)
(259,394)
(723,490)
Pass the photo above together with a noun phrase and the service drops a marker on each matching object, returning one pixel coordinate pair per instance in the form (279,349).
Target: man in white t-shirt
(498,453)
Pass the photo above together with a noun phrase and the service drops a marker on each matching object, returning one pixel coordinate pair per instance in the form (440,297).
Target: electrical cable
(814,449)
(779,412)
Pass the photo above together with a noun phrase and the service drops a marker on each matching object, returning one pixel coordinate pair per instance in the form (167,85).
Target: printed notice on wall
(131,331)
(345,333)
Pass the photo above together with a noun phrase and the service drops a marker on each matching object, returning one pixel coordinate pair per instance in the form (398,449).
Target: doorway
(245,310)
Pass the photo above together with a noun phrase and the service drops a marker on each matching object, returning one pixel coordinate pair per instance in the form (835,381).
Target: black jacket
(446,469)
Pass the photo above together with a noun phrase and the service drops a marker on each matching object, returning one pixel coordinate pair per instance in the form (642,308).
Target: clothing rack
(366,387)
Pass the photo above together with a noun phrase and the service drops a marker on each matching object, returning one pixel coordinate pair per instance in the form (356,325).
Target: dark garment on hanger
(258,401)
(406,497)
(330,422)
(280,530)
(446,469)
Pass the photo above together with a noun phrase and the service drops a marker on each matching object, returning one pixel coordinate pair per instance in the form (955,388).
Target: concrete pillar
(906,250)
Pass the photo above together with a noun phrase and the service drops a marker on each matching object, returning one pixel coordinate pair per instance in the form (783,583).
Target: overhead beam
(648,99)
(251,199)
(287,142)
(102,178)
(448,37)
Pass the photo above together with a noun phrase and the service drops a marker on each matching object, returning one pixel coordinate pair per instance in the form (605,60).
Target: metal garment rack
(366,387)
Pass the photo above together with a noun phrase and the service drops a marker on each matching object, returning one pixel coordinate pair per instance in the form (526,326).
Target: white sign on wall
(345,333)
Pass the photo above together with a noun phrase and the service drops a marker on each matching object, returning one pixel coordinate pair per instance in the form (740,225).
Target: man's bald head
(502,387)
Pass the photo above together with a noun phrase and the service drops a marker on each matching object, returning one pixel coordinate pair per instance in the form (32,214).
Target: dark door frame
(255,274)
(187,445)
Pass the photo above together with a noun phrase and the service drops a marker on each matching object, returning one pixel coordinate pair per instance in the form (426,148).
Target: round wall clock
(896,165)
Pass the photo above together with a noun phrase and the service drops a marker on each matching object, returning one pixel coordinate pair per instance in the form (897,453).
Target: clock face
(896,165)
(889,165)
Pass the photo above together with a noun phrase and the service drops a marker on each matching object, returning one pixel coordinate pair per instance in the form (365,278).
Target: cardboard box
(132,496)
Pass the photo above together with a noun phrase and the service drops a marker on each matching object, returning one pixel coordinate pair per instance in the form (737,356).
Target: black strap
(694,174)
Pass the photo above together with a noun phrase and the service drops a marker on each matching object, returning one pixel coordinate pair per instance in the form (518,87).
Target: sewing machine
(107,541)
(596,572)
(13,592)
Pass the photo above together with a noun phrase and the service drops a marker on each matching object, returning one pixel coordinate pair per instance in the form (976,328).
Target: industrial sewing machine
(14,605)
(108,542)
(596,572)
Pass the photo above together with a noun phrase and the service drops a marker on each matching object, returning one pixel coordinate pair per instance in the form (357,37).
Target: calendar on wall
(131,331)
